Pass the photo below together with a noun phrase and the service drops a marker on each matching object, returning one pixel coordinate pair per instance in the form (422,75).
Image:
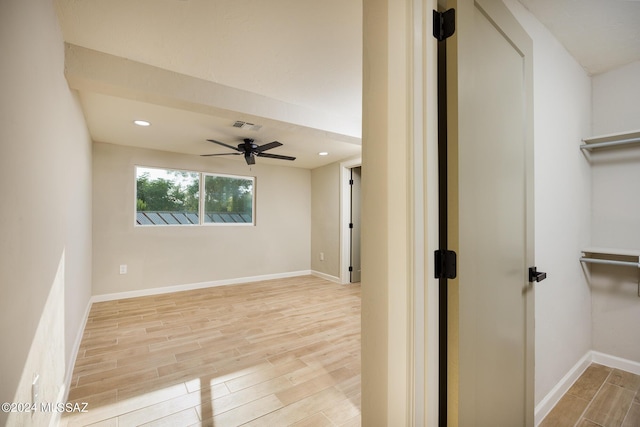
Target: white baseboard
(63,393)
(553,397)
(192,286)
(545,406)
(615,362)
(325,276)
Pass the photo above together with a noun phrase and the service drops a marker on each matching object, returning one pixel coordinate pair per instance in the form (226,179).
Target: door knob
(535,275)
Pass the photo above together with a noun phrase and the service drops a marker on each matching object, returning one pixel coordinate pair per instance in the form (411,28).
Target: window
(177,197)
(167,197)
(228,199)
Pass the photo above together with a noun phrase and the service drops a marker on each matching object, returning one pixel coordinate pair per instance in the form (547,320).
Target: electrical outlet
(321,256)
(123,268)
(35,389)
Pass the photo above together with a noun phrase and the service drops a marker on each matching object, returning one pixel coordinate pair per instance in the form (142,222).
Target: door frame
(345,217)
(424,212)
(399,292)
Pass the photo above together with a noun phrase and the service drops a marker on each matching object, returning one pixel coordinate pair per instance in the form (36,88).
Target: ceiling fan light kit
(250,150)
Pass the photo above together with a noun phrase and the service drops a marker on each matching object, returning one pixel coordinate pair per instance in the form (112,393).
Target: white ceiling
(292,66)
(601,34)
(193,67)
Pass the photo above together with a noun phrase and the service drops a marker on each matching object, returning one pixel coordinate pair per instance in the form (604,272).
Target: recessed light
(142,123)
(323,153)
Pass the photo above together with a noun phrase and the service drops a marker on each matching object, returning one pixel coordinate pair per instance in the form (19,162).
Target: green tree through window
(226,196)
(167,190)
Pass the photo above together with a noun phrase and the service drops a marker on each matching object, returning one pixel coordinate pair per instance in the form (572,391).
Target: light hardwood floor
(602,396)
(272,353)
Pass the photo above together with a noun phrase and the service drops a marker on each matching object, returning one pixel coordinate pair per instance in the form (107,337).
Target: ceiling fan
(250,150)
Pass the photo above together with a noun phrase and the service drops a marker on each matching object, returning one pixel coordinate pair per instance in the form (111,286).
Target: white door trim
(425,215)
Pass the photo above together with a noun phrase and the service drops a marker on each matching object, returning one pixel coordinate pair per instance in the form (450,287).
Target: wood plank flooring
(273,353)
(602,396)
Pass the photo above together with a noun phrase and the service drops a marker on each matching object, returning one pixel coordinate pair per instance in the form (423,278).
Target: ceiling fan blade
(268,146)
(250,159)
(224,145)
(275,156)
(220,154)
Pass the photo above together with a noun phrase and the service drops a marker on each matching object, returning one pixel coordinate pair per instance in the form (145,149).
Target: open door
(354,225)
(490,217)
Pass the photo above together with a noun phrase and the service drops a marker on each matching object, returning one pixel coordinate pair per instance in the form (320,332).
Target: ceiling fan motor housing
(248,145)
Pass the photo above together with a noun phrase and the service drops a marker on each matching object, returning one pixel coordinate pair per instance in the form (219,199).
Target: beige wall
(45,188)
(325,219)
(175,255)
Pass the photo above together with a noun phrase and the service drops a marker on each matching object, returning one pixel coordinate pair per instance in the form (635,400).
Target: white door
(489,93)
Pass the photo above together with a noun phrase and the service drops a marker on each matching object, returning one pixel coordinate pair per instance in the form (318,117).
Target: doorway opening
(350,197)
(354,225)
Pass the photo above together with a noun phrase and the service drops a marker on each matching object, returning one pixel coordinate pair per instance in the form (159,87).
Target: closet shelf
(596,255)
(612,251)
(611,140)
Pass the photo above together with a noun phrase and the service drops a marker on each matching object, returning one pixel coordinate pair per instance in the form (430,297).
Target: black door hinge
(444,24)
(350,225)
(350,268)
(445,264)
(350,182)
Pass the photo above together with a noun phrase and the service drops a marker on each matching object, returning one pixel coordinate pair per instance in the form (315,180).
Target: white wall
(616,108)
(562,117)
(45,188)
(615,213)
(615,100)
(185,255)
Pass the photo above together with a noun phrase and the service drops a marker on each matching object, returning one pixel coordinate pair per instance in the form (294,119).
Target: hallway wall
(45,188)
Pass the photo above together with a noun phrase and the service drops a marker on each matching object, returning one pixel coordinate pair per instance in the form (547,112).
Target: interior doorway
(354,224)
(350,214)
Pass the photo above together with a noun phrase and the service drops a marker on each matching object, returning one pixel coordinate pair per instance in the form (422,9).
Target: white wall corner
(552,398)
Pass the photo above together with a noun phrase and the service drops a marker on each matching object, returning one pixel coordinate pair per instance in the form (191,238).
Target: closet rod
(609,143)
(610,262)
